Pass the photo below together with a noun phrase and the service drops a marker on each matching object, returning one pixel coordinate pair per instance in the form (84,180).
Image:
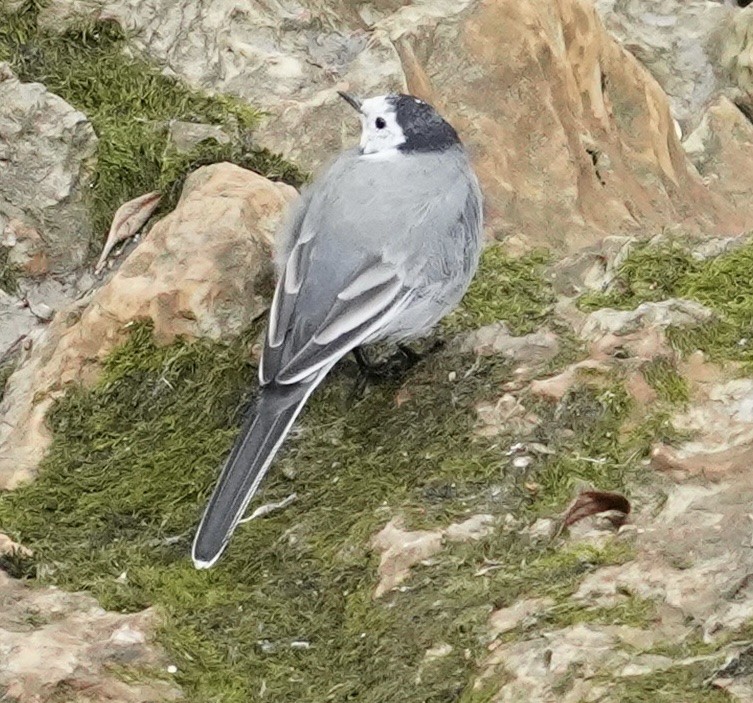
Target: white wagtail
(379,248)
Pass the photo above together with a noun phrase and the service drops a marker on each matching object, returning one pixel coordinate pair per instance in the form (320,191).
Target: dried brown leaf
(594,502)
(128,220)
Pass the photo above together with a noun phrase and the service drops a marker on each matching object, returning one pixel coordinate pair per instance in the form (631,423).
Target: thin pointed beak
(353,101)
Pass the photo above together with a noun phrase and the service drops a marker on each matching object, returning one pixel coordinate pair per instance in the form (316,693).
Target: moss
(6,369)
(632,611)
(651,272)
(583,431)
(682,683)
(132,462)
(723,283)
(130,105)
(506,288)
(662,375)
(8,273)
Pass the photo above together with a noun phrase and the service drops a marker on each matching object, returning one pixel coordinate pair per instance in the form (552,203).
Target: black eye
(380,123)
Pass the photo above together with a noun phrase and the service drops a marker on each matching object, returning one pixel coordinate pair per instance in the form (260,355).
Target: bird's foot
(391,369)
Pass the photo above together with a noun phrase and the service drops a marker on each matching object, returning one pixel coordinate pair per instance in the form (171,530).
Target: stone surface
(496,338)
(184,136)
(680,42)
(721,148)
(692,562)
(572,137)
(401,549)
(57,646)
(673,312)
(556,387)
(8,546)
(202,271)
(720,423)
(47,153)
(508,414)
(506,619)
(737,57)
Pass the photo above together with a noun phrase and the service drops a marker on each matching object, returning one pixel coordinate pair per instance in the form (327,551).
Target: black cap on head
(422,125)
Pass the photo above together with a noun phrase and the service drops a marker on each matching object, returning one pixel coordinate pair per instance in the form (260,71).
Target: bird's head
(400,123)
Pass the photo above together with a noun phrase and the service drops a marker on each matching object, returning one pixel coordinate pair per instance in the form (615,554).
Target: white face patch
(381,134)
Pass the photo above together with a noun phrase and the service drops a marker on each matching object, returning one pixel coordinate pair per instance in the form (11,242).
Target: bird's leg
(388,370)
(393,367)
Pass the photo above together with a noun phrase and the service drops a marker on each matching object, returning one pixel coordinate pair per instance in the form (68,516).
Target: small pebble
(172,669)
(522,462)
(451,376)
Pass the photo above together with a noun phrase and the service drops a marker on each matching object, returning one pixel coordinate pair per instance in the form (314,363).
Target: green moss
(506,288)
(660,271)
(632,611)
(130,105)
(662,375)
(133,460)
(584,433)
(8,273)
(681,683)
(649,274)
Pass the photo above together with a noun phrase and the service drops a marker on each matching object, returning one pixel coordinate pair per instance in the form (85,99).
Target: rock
(284,59)
(536,348)
(680,42)
(474,528)
(721,147)
(720,422)
(506,619)
(543,530)
(557,387)
(203,271)
(16,321)
(694,558)
(47,149)
(438,652)
(599,153)
(736,676)
(184,136)
(8,546)
(646,664)
(401,549)
(591,268)
(673,312)
(27,253)
(54,643)
(506,415)
(737,56)
(535,666)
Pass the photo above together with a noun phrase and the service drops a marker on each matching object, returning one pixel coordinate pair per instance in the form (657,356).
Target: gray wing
(360,252)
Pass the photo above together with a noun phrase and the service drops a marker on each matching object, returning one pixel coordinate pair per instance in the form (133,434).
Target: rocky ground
(553,507)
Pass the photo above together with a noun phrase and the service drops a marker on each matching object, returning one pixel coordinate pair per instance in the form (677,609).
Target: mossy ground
(657,271)
(130,104)
(133,460)
(8,274)
(507,288)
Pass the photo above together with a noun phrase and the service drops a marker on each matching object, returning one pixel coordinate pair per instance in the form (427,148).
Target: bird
(379,248)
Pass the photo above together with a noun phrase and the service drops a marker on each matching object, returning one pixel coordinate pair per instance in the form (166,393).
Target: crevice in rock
(594,154)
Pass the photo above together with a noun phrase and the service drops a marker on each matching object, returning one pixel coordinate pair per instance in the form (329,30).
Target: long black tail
(259,439)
